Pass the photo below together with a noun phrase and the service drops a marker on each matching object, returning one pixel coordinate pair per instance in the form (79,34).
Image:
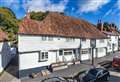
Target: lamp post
(93,45)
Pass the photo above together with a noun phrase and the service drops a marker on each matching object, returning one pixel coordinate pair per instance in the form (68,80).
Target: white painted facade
(35,43)
(112,43)
(5,55)
(101,45)
(32,46)
(99,51)
(85,49)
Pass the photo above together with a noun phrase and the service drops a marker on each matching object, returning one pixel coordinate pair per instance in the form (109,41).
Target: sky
(90,10)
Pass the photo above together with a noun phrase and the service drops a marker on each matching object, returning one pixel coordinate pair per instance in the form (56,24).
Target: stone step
(59,66)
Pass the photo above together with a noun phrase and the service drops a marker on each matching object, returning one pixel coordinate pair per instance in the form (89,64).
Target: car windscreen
(93,72)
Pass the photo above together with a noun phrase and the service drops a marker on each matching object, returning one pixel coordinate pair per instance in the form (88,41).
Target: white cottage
(55,39)
(113,37)
(5,56)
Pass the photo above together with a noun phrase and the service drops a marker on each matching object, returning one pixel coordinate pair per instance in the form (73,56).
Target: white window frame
(70,39)
(44,38)
(43,56)
(68,51)
(85,51)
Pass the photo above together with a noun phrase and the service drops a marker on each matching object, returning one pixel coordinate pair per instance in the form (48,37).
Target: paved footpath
(10,74)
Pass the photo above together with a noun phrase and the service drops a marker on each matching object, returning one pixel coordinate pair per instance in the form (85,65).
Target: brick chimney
(100,25)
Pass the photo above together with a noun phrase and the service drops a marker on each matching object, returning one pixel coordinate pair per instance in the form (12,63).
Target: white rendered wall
(34,43)
(5,55)
(30,60)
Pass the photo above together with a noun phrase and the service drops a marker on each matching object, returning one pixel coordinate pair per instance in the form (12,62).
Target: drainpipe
(93,45)
(92,56)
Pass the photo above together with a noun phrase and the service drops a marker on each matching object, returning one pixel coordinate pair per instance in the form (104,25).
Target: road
(114,79)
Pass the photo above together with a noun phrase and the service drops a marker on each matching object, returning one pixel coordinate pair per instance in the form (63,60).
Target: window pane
(68,53)
(42,55)
(44,38)
(69,39)
(46,55)
(60,52)
(85,51)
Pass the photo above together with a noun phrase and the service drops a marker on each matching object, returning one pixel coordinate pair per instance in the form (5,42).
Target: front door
(65,55)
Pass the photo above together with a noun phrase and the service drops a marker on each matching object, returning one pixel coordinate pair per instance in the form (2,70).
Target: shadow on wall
(6,58)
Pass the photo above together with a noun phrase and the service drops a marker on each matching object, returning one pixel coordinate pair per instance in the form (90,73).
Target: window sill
(42,60)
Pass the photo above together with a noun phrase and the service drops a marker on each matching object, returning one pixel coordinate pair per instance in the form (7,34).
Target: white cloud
(46,5)
(93,5)
(118,4)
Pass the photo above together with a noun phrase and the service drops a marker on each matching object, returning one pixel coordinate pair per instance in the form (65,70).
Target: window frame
(70,39)
(86,51)
(43,56)
(61,53)
(44,38)
(68,51)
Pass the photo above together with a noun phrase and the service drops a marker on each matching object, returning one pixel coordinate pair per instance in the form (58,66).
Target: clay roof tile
(59,25)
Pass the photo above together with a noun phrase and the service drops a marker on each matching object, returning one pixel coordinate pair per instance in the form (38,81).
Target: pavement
(10,74)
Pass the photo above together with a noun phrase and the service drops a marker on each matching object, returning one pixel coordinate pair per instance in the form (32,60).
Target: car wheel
(107,78)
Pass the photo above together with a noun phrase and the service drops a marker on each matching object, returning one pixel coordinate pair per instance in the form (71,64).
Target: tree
(106,26)
(39,16)
(9,23)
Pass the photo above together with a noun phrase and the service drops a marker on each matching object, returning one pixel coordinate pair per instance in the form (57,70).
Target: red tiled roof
(59,25)
(3,36)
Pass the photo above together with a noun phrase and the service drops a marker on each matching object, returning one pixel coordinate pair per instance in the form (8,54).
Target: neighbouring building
(5,56)
(57,38)
(113,37)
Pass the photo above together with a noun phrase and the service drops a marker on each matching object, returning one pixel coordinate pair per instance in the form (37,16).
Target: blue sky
(90,10)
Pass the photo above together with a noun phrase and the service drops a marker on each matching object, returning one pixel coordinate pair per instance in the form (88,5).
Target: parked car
(58,79)
(96,75)
(116,61)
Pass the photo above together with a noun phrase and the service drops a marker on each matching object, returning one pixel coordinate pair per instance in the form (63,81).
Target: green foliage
(38,15)
(9,23)
(7,12)
(106,26)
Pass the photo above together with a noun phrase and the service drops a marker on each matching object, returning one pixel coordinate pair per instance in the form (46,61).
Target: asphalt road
(114,79)
(114,75)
